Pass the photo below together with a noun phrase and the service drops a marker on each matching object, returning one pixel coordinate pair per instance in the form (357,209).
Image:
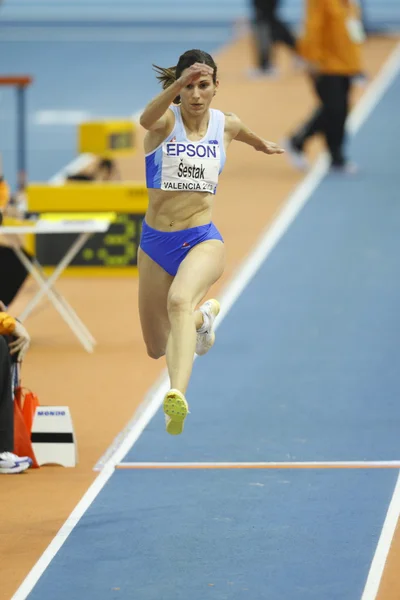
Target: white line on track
(339,464)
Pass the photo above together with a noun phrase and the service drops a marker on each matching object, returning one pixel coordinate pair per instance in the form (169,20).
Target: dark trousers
(330,117)
(268,29)
(6,401)
(12,274)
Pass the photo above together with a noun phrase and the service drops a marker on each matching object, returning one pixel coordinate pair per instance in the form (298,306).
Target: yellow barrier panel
(113,253)
(124,196)
(14,222)
(78,216)
(108,138)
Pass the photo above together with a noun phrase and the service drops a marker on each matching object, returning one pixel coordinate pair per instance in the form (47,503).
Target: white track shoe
(11,463)
(205,339)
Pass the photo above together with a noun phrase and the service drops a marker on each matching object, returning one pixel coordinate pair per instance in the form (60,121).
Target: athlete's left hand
(270,148)
(21,341)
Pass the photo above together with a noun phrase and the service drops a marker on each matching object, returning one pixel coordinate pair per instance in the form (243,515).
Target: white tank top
(179,164)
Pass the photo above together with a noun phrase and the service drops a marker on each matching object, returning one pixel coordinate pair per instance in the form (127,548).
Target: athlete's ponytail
(165,76)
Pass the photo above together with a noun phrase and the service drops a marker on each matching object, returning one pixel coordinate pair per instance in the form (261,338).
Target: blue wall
(380,13)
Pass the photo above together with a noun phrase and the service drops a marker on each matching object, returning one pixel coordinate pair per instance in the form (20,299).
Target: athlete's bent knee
(179,303)
(155,352)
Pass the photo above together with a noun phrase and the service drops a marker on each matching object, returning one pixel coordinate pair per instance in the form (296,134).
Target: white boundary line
(338,464)
(382,550)
(268,241)
(375,91)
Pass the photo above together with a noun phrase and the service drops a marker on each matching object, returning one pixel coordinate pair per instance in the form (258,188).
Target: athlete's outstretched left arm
(238,131)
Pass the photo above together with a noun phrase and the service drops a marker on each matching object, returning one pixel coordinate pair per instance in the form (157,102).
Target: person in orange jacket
(331,47)
(10,463)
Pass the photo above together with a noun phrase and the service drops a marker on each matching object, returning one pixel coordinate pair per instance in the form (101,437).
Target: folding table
(83,224)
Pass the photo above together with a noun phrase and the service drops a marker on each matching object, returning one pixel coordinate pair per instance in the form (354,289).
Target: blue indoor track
(305,367)
(179,535)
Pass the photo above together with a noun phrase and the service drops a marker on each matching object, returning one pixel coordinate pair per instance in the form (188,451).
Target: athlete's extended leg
(201,268)
(154,285)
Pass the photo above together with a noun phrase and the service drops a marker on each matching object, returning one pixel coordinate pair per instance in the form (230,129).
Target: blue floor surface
(179,535)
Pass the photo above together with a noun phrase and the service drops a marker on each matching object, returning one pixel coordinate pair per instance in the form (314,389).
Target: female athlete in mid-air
(181,251)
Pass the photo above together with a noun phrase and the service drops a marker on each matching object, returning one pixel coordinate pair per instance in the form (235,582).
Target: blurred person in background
(104,169)
(267,30)
(331,45)
(14,342)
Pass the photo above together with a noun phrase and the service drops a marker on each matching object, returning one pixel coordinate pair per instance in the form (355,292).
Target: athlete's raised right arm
(156,115)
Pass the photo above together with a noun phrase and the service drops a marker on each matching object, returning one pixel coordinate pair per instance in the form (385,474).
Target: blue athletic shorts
(169,248)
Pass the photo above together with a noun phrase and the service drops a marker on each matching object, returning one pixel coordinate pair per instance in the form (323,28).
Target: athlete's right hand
(194,73)
(21,341)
